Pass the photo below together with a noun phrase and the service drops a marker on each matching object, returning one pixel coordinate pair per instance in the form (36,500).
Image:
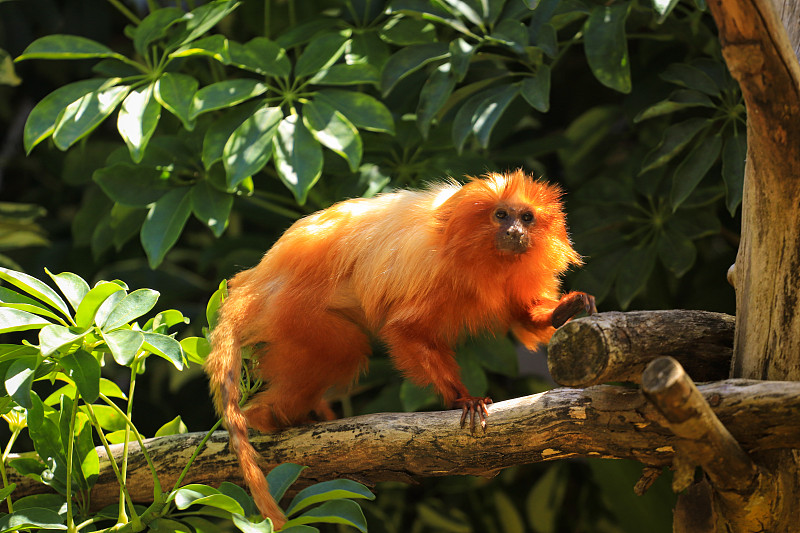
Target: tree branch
(604,421)
(616,346)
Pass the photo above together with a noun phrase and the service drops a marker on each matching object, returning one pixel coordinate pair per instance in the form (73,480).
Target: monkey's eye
(527,217)
(501,214)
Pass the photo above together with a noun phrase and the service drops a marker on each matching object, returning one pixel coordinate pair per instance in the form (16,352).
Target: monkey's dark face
(514,226)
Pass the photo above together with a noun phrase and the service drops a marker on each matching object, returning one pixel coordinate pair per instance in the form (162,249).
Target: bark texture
(767,271)
(603,421)
(616,346)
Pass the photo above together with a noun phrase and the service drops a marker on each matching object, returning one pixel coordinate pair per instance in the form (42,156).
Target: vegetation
(173,156)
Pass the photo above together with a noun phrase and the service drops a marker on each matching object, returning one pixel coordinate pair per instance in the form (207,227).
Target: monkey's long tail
(223,366)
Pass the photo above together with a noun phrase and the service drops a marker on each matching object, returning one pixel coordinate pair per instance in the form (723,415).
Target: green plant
(75,341)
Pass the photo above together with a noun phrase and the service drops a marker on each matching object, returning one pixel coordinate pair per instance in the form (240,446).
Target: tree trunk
(767,271)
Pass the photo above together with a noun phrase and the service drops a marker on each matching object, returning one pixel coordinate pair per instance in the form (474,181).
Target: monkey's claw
(572,304)
(471,405)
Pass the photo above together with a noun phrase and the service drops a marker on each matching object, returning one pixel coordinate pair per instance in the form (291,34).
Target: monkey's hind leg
(300,368)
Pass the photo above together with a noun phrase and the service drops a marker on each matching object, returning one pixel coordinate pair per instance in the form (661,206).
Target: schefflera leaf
(298,157)
(332,129)
(249,148)
(137,120)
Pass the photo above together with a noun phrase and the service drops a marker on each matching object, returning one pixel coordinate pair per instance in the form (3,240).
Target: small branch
(738,486)
(706,441)
(604,421)
(614,346)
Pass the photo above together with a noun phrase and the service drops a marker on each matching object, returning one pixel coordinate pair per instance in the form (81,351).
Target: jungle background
(204,141)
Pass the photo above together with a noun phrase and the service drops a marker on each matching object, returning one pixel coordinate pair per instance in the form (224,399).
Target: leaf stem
(197,451)
(125,11)
(11,440)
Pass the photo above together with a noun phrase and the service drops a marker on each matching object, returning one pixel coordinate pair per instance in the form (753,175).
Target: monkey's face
(514,224)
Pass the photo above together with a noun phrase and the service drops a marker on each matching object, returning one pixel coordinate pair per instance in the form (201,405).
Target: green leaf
(342,74)
(262,56)
(675,138)
(332,129)
(67,47)
(205,17)
(153,27)
(414,397)
(408,60)
(692,169)
(18,320)
(220,131)
(84,370)
(131,185)
(472,374)
(606,47)
(733,162)
(196,349)
(495,354)
(131,307)
(298,157)
(249,147)
(53,337)
(137,120)
(333,512)
(225,93)
(90,304)
(677,101)
(166,347)
(405,31)
(508,513)
(173,427)
(7,74)
(546,498)
(124,344)
(328,490)
(320,54)
(246,526)
(35,288)
(14,300)
(690,77)
(282,477)
(536,90)
(512,33)
(164,224)
(676,251)
(435,92)
(19,378)
(664,8)
(214,46)
(214,303)
(197,494)
(211,206)
(32,517)
(72,286)
(84,114)
(6,491)
(632,279)
(364,111)
(42,120)
(176,92)
(486,110)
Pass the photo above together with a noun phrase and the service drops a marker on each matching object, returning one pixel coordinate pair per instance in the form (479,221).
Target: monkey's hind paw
(570,305)
(471,406)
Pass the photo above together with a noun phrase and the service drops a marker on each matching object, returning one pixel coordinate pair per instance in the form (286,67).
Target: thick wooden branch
(616,346)
(603,421)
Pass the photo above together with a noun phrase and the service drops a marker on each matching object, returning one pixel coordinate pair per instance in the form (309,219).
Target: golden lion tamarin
(418,270)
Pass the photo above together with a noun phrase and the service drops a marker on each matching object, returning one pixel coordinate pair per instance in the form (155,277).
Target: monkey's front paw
(471,405)
(570,305)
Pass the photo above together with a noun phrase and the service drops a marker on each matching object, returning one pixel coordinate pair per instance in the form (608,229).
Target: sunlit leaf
(249,147)
(363,110)
(408,60)
(298,157)
(225,93)
(84,370)
(86,113)
(137,120)
(175,91)
(332,129)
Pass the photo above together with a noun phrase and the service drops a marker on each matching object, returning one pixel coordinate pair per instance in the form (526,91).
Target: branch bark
(618,346)
(604,421)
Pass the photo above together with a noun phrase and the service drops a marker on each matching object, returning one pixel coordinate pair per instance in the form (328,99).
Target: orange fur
(418,269)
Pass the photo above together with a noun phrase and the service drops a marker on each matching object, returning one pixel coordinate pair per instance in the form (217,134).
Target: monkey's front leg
(428,360)
(570,305)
